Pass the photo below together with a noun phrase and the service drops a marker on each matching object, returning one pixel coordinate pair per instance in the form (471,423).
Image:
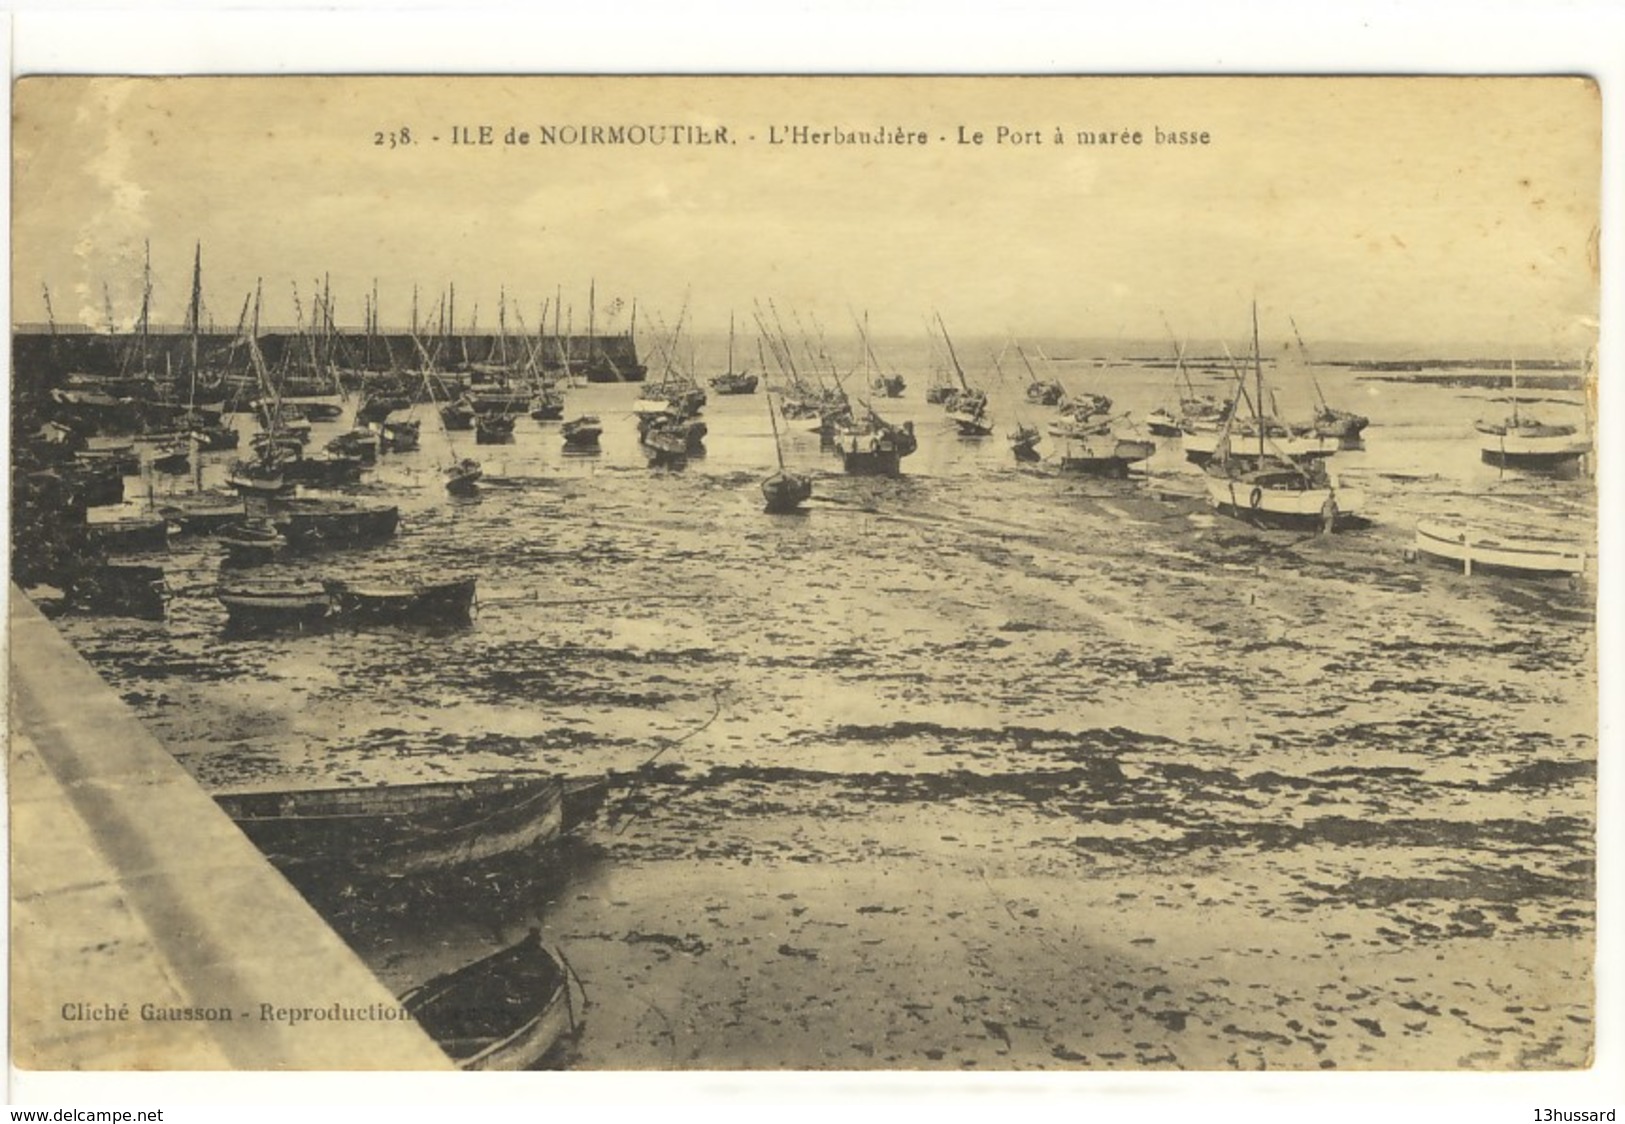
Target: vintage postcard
(962,574)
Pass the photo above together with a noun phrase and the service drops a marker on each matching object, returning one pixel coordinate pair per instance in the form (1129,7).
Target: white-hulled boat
(1523,442)
(1517,549)
(1267,485)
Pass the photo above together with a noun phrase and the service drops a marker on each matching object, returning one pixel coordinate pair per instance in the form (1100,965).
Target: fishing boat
(888,386)
(1162,423)
(463,473)
(1274,488)
(600,366)
(493,429)
(1343,426)
(547,404)
(449,601)
(503,1012)
(1104,454)
(1024,442)
(378,407)
(204,513)
(274,604)
(871,446)
(967,409)
(462,476)
(582,432)
(784,491)
(1514,549)
(731,381)
(1523,442)
(122,459)
(664,444)
(141,532)
(361,443)
(458,415)
(261,477)
(174,456)
(326,471)
(399,436)
(397,831)
(250,542)
(311,522)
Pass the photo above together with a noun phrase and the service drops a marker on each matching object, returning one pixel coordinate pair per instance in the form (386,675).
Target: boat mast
(777,448)
(146,304)
(592,322)
(958,370)
(731,358)
(1258,374)
(195,310)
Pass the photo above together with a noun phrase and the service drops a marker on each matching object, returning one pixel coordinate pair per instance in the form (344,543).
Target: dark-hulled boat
(322,472)
(457,415)
(1024,442)
(173,456)
(462,477)
(583,432)
(399,436)
(411,602)
(274,604)
(249,542)
(493,429)
(205,513)
(396,831)
(136,533)
(786,491)
(503,1012)
(871,446)
(734,383)
(312,522)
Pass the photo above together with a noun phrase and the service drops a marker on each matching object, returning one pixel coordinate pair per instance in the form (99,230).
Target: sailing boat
(890,386)
(463,473)
(731,381)
(784,491)
(1527,443)
(968,408)
(1344,426)
(1269,487)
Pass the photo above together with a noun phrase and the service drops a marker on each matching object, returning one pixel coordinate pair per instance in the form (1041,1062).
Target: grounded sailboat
(1524,442)
(784,491)
(1268,487)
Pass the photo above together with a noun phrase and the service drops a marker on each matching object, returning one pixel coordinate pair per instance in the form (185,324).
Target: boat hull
(501,1013)
(1557,452)
(265,607)
(402,830)
(1107,456)
(310,524)
(449,602)
(785,492)
(1471,548)
(1306,509)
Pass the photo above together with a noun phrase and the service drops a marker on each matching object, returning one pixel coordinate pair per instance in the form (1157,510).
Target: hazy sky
(1426,210)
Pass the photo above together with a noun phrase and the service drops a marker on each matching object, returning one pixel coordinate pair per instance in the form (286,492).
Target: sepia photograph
(936,573)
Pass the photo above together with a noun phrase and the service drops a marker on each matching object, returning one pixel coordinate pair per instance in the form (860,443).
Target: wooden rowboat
(504,1012)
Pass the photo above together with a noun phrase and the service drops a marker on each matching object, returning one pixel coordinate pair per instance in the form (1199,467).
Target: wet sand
(980,768)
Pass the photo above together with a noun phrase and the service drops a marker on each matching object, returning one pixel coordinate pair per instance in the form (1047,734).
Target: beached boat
(274,604)
(449,601)
(547,404)
(312,522)
(1024,442)
(204,513)
(397,831)
(172,456)
(462,476)
(1044,392)
(493,429)
(871,446)
(1511,549)
(663,444)
(503,1012)
(1524,442)
(327,471)
(398,436)
(967,408)
(1104,454)
(458,415)
(1272,488)
(361,443)
(784,491)
(141,532)
(582,432)
(1162,423)
(250,542)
